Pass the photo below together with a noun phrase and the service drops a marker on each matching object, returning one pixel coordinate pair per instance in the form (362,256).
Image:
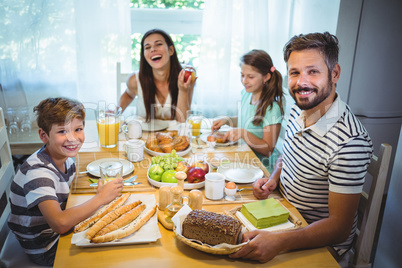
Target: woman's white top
(161,111)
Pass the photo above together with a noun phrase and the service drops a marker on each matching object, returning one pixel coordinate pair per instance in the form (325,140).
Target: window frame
(173,21)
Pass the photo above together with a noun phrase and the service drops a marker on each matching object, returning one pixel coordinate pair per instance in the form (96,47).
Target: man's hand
(263,187)
(263,246)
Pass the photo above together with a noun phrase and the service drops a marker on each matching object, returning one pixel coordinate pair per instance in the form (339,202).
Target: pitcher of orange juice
(108,123)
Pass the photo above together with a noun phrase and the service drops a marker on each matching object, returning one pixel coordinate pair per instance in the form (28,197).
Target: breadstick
(108,218)
(124,219)
(126,230)
(82,226)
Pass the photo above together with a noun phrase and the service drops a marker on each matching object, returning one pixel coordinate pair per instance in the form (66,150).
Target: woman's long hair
(147,79)
(272,89)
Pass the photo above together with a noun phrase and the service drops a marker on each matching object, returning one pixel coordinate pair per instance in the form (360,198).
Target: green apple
(168,176)
(155,172)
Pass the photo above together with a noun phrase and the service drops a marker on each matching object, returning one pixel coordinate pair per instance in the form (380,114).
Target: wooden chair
(120,79)
(369,208)
(11,253)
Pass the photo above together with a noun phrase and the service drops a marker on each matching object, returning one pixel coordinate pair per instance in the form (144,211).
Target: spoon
(245,188)
(199,145)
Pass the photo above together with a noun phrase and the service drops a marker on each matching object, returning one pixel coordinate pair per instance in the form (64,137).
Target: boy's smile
(64,141)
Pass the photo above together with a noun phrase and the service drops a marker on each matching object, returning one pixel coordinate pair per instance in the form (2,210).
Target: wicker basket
(205,248)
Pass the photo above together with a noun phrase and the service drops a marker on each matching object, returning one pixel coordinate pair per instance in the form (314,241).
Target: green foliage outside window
(191,4)
(187,46)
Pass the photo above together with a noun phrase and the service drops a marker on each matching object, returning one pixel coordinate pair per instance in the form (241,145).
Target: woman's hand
(185,86)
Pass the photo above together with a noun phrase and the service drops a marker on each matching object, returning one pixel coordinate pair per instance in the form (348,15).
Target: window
(180,18)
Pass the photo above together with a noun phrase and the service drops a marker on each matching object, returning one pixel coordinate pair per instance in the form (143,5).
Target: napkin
(251,227)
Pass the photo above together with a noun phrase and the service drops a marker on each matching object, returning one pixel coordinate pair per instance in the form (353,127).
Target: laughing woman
(159,84)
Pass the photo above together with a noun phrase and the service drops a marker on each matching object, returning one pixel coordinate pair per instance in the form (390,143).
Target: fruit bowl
(187,186)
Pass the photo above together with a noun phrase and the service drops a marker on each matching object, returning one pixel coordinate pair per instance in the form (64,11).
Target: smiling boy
(40,188)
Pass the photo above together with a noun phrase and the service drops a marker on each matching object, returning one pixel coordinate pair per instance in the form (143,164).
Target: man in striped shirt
(325,157)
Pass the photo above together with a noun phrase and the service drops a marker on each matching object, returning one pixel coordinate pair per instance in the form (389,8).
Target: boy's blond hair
(58,111)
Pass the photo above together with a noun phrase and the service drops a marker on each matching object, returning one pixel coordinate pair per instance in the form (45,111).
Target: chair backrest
(369,207)
(120,78)
(6,176)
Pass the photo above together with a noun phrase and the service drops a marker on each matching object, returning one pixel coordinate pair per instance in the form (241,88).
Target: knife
(128,182)
(125,184)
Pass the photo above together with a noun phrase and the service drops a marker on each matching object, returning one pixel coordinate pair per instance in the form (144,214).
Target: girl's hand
(234,134)
(109,191)
(216,125)
(185,86)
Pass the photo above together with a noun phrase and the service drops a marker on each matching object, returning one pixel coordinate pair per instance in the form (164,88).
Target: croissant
(165,142)
(180,143)
(152,144)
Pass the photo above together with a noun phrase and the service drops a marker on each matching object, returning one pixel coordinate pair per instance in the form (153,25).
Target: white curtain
(63,48)
(231,28)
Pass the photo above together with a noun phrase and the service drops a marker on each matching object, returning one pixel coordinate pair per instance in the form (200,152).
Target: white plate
(93,167)
(155,125)
(187,186)
(149,232)
(240,172)
(205,135)
(180,153)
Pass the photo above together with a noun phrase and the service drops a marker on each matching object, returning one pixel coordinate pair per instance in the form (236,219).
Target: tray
(149,232)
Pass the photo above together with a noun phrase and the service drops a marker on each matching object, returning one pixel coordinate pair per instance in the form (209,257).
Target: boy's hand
(109,191)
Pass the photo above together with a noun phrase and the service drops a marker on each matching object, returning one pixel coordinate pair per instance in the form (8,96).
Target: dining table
(168,250)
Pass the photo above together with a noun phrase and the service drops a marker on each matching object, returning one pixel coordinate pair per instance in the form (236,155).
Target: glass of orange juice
(108,123)
(195,118)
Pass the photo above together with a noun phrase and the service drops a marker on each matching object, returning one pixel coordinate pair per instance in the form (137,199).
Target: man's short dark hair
(326,43)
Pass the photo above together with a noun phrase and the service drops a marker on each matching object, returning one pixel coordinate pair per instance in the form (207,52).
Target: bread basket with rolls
(164,142)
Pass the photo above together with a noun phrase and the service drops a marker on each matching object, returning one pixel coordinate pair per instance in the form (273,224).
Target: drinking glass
(195,118)
(26,124)
(110,170)
(108,123)
(13,121)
